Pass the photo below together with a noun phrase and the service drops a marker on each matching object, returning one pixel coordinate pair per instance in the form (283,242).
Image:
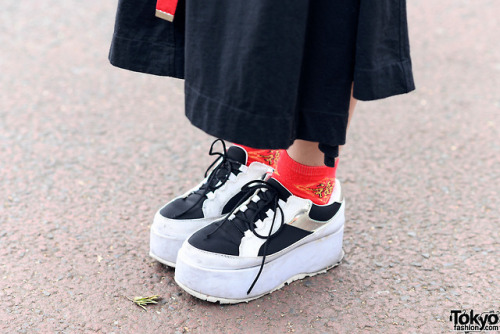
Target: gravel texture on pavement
(88,153)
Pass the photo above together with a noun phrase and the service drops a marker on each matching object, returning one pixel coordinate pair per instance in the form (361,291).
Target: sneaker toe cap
(190,207)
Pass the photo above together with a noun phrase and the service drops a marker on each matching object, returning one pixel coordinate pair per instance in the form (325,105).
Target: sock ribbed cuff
(297,168)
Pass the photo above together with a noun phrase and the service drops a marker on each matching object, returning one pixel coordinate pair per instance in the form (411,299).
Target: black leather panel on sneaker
(233,201)
(286,237)
(214,238)
(282,191)
(184,208)
(324,212)
(238,154)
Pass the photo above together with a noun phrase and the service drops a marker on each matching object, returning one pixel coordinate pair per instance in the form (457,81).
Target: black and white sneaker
(209,201)
(270,239)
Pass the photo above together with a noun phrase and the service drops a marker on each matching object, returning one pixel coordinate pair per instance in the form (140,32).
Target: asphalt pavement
(88,152)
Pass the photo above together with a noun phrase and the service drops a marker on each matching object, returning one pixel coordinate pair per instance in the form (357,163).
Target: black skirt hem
(247,128)
(380,83)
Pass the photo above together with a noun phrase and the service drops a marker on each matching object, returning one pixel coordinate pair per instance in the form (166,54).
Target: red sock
(268,157)
(312,182)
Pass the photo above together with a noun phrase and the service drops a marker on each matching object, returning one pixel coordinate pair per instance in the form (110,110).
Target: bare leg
(307,152)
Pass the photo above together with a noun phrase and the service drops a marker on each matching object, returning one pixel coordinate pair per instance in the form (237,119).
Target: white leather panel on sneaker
(213,206)
(250,243)
(337,195)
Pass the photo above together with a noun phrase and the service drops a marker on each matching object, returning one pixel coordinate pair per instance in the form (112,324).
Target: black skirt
(264,73)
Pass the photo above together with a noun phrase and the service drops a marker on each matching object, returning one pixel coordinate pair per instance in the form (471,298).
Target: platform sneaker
(271,238)
(207,202)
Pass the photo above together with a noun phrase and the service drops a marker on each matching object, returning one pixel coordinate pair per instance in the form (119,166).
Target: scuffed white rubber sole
(236,301)
(164,248)
(163,261)
(230,286)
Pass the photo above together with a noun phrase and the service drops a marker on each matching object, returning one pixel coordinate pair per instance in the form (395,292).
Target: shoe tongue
(238,154)
(282,191)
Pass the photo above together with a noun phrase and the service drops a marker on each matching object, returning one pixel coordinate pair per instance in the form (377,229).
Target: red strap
(167,8)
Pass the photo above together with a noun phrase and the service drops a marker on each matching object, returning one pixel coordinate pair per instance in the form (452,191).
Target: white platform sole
(230,286)
(164,248)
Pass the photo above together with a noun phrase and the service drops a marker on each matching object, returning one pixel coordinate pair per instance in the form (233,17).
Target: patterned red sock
(268,157)
(312,182)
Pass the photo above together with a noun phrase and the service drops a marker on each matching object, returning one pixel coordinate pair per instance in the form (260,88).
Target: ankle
(306,153)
